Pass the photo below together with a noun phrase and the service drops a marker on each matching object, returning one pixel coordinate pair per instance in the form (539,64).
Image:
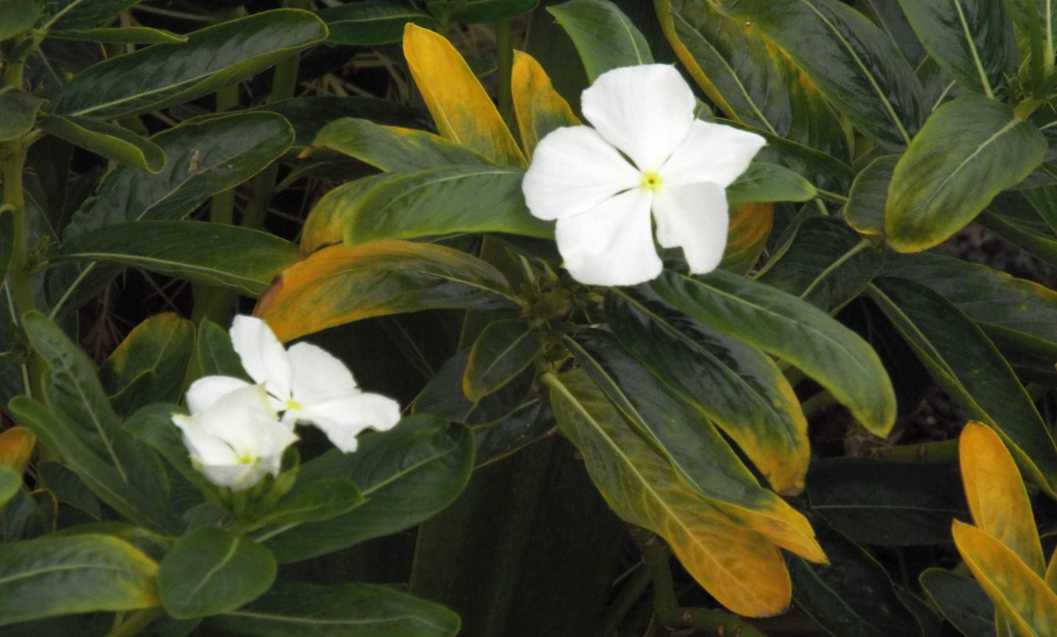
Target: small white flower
(305,383)
(237,440)
(679,169)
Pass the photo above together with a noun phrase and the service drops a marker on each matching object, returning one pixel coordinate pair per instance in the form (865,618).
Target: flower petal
(711,153)
(573,170)
(263,356)
(237,477)
(204,448)
(318,375)
(644,111)
(207,390)
(343,419)
(612,244)
(244,420)
(695,218)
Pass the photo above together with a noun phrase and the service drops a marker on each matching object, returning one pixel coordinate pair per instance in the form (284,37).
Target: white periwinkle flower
(646,153)
(305,383)
(237,440)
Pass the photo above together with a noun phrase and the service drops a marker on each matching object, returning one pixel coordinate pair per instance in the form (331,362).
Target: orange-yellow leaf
(750,226)
(1017,591)
(460,106)
(996,494)
(16,447)
(538,107)
(339,285)
(1051,572)
(781,524)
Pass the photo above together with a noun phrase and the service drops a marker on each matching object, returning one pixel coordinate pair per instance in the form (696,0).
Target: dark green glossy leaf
(735,386)
(826,265)
(308,115)
(764,182)
(17,17)
(889,16)
(972,40)
(233,257)
(604,37)
(18,112)
(1035,239)
(152,425)
(121,35)
(490,10)
(793,330)
(865,208)
(106,139)
(83,14)
(372,22)
(214,353)
(887,503)
(969,150)
(970,369)
(77,574)
(406,474)
(499,355)
(345,610)
(393,149)
(210,571)
(313,501)
(961,601)
(213,57)
(848,57)
(150,365)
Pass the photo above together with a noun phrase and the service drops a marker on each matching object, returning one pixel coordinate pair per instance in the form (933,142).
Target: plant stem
(505,64)
(136,622)
(629,595)
(925,452)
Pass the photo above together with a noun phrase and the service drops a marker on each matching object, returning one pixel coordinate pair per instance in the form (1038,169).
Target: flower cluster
(237,432)
(646,159)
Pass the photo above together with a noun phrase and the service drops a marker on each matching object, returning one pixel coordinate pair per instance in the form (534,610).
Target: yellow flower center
(651,180)
(293,405)
(247,459)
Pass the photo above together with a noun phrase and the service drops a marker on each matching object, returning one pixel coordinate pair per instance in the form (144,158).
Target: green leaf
(149,366)
(502,351)
(490,10)
(739,567)
(865,208)
(10,484)
(752,82)
(973,40)
(886,503)
(849,58)
(345,610)
(106,139)
(214,352)
(166,74)
(793,330)
(210,571)
(120,35)
(407,475)
(372,22)
(604,37)
(424,203)
(1037,240)
(965,363)
(342,285)
(83,14)
(308,115)
(18,113)
(153,426)
(392,148)
(736,387)
(214,254)
(313,501)
(769,182)
(76,574)
(970,150)
(7,245)
(17,17)
(827,265)
(961,601)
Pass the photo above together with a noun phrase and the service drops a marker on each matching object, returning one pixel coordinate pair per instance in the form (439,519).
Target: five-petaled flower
(646,153)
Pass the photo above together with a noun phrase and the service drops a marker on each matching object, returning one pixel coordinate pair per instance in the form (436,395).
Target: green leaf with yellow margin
(460,107)
(392,148)
(339,285)
(750,227)
(1020,593)
(150,365)
(539,108)
(865,209)
(750,79)
(502,351)
(76,574)
(997,497)
(740,568)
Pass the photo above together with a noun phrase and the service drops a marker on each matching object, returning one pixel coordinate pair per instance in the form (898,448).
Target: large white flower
(237,440)
(305,383)
(646,154)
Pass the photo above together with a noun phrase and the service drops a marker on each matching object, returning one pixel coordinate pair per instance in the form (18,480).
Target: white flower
(237,440)
(679,169)
(305,383)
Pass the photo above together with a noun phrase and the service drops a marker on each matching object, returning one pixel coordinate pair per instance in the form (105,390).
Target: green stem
(505,65)
(136,622)
(629,595)
(926,452)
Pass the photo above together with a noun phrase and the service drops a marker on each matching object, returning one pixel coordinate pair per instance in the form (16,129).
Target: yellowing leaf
(996,494)
(538,107)
(1019,593)
(750,225)
(339,285)
(1051,572)
(738,566)
(16,447)
(458,103)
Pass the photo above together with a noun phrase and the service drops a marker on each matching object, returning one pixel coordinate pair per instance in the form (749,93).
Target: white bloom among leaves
(646,159)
